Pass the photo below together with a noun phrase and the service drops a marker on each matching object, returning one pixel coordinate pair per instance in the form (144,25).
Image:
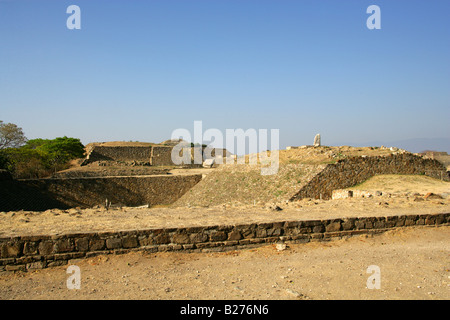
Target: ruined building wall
(119,153)
(43,194)
(161,156)
(349,172)
(154,155)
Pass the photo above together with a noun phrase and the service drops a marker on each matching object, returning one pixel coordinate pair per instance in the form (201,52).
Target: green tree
(40,157)
(11,136)
(4,161)
(57,151)
(27,163)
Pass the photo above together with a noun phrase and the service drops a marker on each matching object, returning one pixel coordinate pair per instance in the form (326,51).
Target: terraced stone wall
(41,251)
(352,171)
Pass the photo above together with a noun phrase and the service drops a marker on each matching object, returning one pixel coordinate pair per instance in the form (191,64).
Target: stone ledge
(24,253)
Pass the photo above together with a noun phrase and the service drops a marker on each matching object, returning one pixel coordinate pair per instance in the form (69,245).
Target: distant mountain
(411,145)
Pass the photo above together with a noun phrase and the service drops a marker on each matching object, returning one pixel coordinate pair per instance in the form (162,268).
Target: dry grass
(395,183)
(244,185)
(324,154)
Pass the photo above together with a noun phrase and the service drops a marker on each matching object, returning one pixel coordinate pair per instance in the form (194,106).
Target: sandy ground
(414,263)
(122,219)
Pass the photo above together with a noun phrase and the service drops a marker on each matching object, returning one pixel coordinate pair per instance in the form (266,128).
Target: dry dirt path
(414,264)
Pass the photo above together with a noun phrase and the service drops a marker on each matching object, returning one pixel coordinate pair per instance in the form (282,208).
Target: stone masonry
(41,251)
(43,194)
(352,171)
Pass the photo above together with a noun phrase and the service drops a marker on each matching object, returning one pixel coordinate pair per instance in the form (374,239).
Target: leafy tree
(57,151)
(34,143)
(27,163)
(41,157)
(11,136)
(4,161)
(35,158)
(63,149)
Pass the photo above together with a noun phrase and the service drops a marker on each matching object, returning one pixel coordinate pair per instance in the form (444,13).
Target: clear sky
(137,70)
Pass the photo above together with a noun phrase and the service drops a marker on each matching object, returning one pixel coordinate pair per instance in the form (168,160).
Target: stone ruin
(144,155)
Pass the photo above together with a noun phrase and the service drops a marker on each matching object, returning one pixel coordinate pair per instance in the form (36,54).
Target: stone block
(198,237)
(96,244)
(274,232)
(245,241)
(30,248)
(113,243)
(181,238)
(265,225)
(144,241)
(261,233)
(46,247)
(292,224)
(11,249)
(234,235)
(21,267)
(6,261)
(218,236)
(318,229)
(333,226)
(36,265)
(380,223)
(56,263)
(230,243)
(162,238)
(440,219)
(129,242)
(348,224)
(278,225)
(391,222)
(63,245)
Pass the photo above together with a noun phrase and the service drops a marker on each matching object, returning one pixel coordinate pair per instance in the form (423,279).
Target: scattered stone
(281,246)
(431,196)
(294,293)
(208,163)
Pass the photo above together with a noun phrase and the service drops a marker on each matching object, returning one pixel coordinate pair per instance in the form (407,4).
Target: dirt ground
(74,220)
(396,183)
(414,263)
(403,197)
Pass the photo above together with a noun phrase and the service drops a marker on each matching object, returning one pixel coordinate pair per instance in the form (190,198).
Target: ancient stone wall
(41,251)
(352,171)
(119,153)
(155,155)
(43,194)
(161,156)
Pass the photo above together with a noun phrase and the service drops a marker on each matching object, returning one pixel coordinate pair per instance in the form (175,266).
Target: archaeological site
(126,197)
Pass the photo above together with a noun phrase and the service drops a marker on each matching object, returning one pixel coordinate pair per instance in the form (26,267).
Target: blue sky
(137,70)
